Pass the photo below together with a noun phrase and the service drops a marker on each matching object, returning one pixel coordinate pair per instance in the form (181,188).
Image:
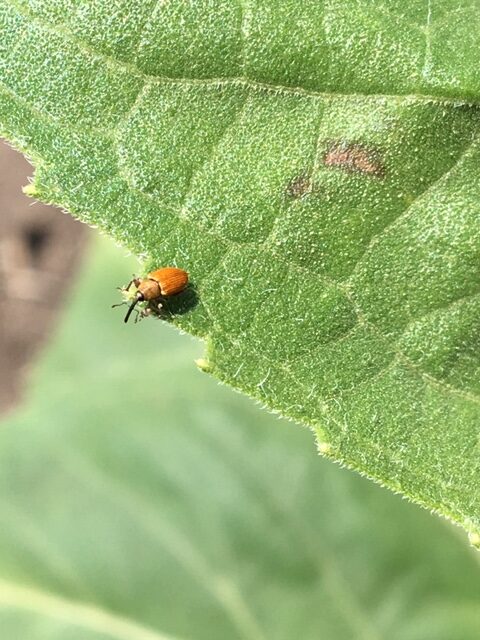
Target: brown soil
(39,253)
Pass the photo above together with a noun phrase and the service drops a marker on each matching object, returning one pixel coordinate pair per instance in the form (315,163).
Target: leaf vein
(238,80)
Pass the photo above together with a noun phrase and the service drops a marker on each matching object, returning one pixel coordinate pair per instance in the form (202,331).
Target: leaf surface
(314,166)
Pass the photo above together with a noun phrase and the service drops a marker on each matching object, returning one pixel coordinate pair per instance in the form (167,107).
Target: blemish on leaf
(474,539)
(203,365)
(30,190)
(354,157)
(300,186)
(325,448)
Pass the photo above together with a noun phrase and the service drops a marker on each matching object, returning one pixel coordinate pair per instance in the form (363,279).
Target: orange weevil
(159,284)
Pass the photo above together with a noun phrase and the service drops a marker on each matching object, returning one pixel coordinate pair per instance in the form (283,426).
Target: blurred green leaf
(314,165)
(141,501)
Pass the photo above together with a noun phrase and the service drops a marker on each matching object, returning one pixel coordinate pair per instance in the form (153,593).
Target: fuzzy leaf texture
(314,166)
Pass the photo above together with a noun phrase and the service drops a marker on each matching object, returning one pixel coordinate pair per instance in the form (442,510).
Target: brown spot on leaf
(356,158)
(299,186)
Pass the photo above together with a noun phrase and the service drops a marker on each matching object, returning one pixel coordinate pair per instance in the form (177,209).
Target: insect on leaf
(314,166)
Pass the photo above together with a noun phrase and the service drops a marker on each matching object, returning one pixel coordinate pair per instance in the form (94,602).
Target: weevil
(157,285)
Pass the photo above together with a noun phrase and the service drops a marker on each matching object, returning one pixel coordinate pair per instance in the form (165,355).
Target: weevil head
(149,288)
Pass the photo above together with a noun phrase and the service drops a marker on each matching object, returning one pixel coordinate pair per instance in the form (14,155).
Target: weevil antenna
(138,298)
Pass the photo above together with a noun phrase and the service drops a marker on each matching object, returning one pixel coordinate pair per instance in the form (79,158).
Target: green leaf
(145,502)
(314,166)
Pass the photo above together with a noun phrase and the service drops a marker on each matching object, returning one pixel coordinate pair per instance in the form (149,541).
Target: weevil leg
(158,307)
(145,313)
